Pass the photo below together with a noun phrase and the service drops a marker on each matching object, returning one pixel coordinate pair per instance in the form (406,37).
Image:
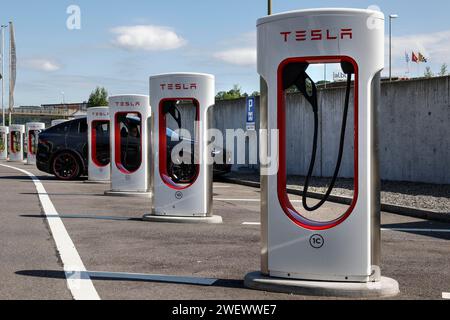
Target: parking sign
(251,123)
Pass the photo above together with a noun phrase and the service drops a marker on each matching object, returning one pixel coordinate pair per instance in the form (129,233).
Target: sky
(119,45)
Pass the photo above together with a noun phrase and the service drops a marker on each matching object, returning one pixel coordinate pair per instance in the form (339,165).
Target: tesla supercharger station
(32,135)
(182,170)
(99,151)
(130,117)
(309,248)
(16,133)
(4,143)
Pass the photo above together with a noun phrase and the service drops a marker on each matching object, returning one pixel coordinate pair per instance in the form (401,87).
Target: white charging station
(301,253)
(182,170)
(32,135)
(4,143)
(16,133)
(99,150)
(130,141)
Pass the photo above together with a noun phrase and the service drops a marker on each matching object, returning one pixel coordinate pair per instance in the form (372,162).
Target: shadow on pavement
(63,194)
(74,216)
(129,277)
(24,177)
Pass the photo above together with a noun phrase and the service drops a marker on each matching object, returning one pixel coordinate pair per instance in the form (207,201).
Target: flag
(407,57)
(415,58)
(12,66)
(422,58)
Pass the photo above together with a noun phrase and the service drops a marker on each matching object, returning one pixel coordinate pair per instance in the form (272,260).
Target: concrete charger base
(193,220)
(387,287)
(128,194)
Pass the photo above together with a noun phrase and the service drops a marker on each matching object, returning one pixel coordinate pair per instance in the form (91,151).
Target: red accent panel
(283,198)
(11,141)
(94,142)
(117,143)
(11,138)
(29,142)
(163,144)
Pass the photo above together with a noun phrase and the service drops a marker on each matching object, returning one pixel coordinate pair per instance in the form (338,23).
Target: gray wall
(414,125)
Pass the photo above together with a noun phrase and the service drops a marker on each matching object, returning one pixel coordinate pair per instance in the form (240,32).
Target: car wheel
(66,166)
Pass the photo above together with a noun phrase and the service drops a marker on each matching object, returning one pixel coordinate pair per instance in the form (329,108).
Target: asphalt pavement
(127,258)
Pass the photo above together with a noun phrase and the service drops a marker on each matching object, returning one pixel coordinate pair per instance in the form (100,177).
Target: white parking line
(78,281)
(251,223)
(417,230)
(446,295)
(383,229)
(249,200)
(237,200)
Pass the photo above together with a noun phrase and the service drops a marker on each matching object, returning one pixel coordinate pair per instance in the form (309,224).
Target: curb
(400,210)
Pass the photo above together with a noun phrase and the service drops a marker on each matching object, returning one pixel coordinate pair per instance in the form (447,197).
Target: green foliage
(428,73)
(234,93)
(444,70)
(98,98)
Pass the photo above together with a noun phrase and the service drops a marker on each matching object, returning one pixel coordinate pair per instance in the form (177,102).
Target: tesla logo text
(178,86)
(317,35)
(128,104)
(100,114)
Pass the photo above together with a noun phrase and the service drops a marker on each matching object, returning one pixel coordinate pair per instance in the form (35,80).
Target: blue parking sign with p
(251,110)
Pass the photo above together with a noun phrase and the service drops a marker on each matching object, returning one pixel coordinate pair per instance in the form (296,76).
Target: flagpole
(11,105)
(3,74)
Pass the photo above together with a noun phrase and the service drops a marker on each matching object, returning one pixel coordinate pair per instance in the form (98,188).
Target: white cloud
(239,56)
(45,65)
(435,46)
(147,37)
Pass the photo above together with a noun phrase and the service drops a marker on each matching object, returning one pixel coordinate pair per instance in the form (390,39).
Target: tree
(428,73)
(234,93)
(98,98)
(444,70)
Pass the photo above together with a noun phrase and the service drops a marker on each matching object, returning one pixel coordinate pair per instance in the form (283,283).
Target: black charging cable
(309,90)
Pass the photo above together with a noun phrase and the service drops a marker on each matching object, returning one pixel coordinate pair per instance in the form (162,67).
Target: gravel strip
(416,195)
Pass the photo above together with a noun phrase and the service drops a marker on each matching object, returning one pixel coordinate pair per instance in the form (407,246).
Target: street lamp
(269,7)
(392,16)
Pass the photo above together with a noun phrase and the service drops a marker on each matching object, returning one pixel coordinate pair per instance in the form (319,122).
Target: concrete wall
(414,123)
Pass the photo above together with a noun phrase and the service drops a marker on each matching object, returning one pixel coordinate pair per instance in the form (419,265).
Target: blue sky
(112,48)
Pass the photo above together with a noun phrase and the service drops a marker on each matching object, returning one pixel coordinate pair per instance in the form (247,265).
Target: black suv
(63,152)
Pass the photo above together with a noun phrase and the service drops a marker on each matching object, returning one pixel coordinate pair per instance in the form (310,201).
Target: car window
(78,127)
(59,129)
(83,126)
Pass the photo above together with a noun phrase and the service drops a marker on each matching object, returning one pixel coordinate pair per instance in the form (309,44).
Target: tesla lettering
(317,35)
(178,86)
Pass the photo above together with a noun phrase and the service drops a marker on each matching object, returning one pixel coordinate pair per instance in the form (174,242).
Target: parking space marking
(249,200)
(446,295)
(383,229)
(151,277)
(417,230)
(237,200)
(78,281)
